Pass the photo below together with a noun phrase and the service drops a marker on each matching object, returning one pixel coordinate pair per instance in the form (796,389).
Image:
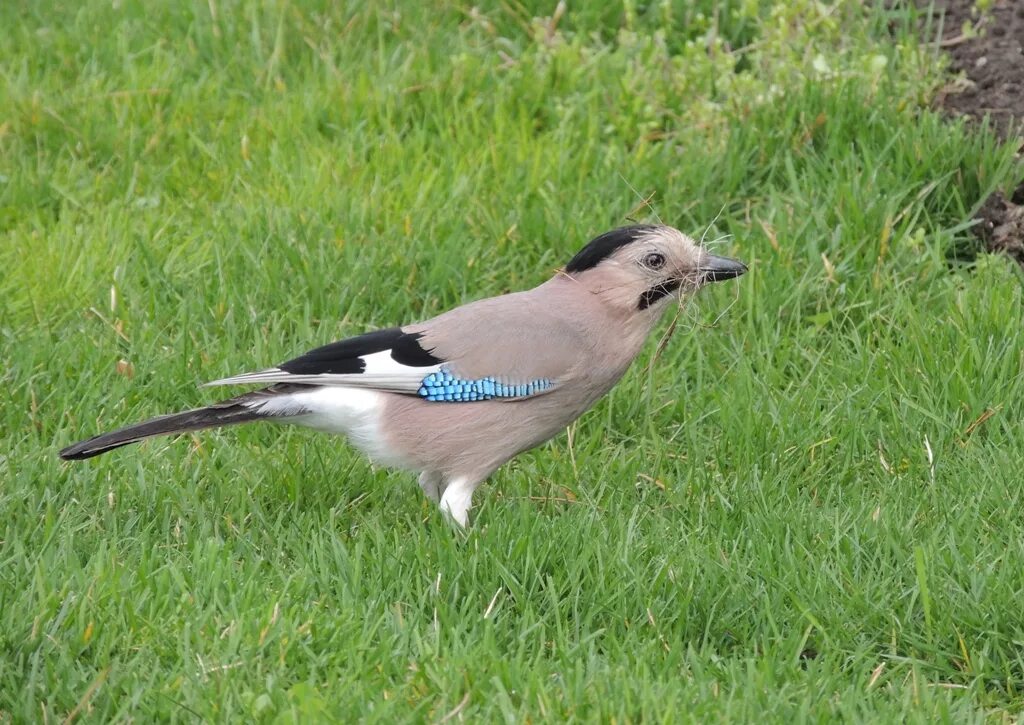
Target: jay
(455,397)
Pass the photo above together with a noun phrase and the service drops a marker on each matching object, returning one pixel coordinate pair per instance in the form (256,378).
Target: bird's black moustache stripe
(649,297)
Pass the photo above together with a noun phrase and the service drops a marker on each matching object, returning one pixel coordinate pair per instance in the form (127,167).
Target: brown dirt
(990,57)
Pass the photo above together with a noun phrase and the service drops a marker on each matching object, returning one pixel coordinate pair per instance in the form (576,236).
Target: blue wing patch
(443,386)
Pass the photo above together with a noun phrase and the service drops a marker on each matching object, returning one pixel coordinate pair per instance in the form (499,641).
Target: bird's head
(644,267)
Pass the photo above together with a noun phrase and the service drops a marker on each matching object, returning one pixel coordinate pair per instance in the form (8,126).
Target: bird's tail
(242,409)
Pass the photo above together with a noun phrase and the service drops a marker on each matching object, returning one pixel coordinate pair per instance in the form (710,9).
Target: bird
(455,397)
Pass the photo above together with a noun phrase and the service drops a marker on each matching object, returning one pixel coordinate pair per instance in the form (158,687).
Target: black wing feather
(345,357)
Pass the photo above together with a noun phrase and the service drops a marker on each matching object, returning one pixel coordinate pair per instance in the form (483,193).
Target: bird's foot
(432,484)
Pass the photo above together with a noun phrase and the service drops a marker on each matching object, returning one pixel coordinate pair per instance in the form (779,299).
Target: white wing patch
(381,363)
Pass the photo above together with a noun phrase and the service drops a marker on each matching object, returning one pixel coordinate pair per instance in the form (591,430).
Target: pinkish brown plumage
(455,397)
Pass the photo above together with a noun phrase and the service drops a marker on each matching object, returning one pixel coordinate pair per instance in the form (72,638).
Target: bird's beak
(716,269)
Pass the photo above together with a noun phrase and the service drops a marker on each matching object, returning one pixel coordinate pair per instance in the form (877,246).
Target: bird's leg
(431,483)
(457,498)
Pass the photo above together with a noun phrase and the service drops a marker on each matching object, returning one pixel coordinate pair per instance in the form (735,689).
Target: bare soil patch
(988,49)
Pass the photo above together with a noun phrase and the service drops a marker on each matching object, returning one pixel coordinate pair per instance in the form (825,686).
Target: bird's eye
(654,260)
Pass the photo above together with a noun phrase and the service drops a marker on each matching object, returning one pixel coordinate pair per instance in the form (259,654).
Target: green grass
(794,513)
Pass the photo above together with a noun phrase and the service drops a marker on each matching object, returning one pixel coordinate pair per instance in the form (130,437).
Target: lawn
(807,507)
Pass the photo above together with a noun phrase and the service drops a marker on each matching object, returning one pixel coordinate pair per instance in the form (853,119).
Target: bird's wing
(390,359)
(502,348)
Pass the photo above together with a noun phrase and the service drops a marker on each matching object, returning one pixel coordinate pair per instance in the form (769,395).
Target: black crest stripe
(600,248)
